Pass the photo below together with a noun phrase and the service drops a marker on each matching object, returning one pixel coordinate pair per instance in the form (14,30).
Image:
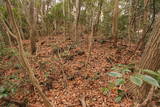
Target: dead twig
(82,100)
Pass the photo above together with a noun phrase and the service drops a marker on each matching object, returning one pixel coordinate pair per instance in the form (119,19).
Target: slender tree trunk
(69,16)
(145,15)
(24,60)
(69,8)
(130,22)
(90,38)
(64,13)
(32,27)
(43,8)
(98,14)
(145,23)
(115,22)
(95,21)
(77,18)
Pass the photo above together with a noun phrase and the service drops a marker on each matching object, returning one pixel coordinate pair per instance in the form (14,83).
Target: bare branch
(8,30)
(82,100)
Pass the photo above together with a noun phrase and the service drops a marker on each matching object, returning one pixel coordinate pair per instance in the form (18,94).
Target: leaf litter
(57,57)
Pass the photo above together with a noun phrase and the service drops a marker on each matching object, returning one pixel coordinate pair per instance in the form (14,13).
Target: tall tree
(115,21)
(129,21)
(64,14)
(77,6)
(145,22)
(23,60)
(100,3)
(150,60)
(94,27)
(32,24)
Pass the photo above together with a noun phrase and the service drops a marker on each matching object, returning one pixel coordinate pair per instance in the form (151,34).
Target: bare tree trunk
(64,13)
(24,60)
(69,16)
(151,56)
(95,21)
(145,23)
(150,60)
(69,8)
(98,14)
(115,22)
(129,22)
(90,38)
(77,18)
(32,27)
(55,26)
(145,15)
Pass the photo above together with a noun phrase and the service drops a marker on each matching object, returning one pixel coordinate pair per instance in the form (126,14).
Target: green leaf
(150,72)
(3,95)
(119,82)
(126,70)
(120,65)
(115,69)
(105,90)
(150,80)
(114,74)
(120,91)
(136,80)
(118,99)
(131,65)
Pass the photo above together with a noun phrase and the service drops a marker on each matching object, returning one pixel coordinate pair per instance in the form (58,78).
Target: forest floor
(59,65)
